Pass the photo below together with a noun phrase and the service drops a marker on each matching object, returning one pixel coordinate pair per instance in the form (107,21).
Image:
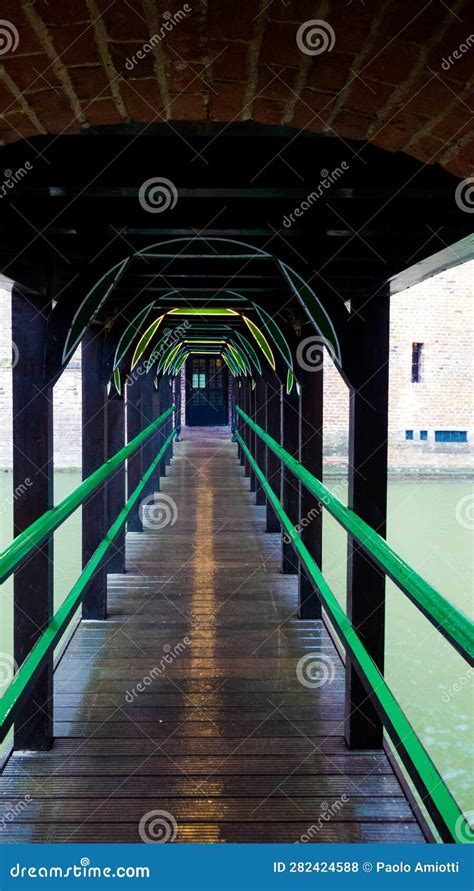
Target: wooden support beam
(164,403)
(311,455)
(156,438)
(246,431)
(134,464)
(290,496)
(252,436)
(94,510)
(115,490)
(33,488)
(272,464)
(368,433)
(260,399)
(148,448)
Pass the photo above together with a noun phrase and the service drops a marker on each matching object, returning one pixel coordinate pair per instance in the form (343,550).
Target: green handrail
(29,670)
(447,619)
(35,534)
(441,805)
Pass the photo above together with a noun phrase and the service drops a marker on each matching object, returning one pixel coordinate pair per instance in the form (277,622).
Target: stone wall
(437,313)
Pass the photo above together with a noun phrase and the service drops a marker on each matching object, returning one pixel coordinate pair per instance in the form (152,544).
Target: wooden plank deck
(223,735)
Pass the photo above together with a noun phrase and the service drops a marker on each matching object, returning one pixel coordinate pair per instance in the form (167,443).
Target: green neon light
(117,381)
(250,351)
(130,333)
(274,331)
(202,311)
(231,362)
(289,381)
(34,663)
(33,536)
(238,358)
(226,360)
(314,310)
(420,766)
(171,356)
(91,304)
(261,340)
(144,341)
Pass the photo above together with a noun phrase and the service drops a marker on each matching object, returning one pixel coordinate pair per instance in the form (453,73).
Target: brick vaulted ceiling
(397,73)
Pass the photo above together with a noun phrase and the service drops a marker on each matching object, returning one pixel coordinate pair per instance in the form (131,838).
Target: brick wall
(437,313)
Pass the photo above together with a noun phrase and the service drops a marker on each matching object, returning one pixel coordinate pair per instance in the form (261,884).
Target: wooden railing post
(368,432)
(290,497)
(311,456)
(135,425)
(33,495)
(246,431)
(94,511)
(116,484)
(252,435)
(259,454)
(272,465)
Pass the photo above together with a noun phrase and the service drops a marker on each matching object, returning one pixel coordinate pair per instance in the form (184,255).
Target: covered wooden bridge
(201,682)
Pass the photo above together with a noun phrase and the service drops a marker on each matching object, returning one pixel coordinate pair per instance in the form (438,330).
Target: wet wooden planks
(189,698)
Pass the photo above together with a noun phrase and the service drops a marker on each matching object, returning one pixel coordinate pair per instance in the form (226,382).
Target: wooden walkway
(223,738)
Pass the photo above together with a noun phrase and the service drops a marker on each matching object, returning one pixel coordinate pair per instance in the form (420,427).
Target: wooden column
(115,490)
(33,483)
(272,463)
(289,486)
(246,429)
(368,498)
(311,456)
(169,423)
(156,438)
(134,462)
(148,448)
(260,399)
(252,436)
(94,510)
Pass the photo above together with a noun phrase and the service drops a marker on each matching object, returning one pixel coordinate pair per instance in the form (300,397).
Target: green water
(421,667)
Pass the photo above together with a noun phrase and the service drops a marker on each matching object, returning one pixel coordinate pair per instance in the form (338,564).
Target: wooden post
(115,490)
(311,456)
(156,438)
(134,462)
(94,510)
(368,432)
(260,398)
(272,463)
(289,486)
(246,428)
(33,488)
(162,434)
(148,448)
(252,436)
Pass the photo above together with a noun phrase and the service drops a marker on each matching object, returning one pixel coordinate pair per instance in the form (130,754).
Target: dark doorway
(206,391)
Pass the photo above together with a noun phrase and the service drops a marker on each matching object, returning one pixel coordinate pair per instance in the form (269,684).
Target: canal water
(429,526)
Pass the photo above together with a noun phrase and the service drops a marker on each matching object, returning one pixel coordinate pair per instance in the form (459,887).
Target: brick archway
(395,75)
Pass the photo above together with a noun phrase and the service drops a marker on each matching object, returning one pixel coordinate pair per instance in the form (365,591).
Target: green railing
(28,541)
(457,628)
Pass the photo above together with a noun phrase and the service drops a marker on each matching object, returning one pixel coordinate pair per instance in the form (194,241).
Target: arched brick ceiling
(384,81)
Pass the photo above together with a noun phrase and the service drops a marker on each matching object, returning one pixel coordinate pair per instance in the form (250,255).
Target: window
(423,435)
(408,434)
(416,349)
(450,435)
(199,381)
